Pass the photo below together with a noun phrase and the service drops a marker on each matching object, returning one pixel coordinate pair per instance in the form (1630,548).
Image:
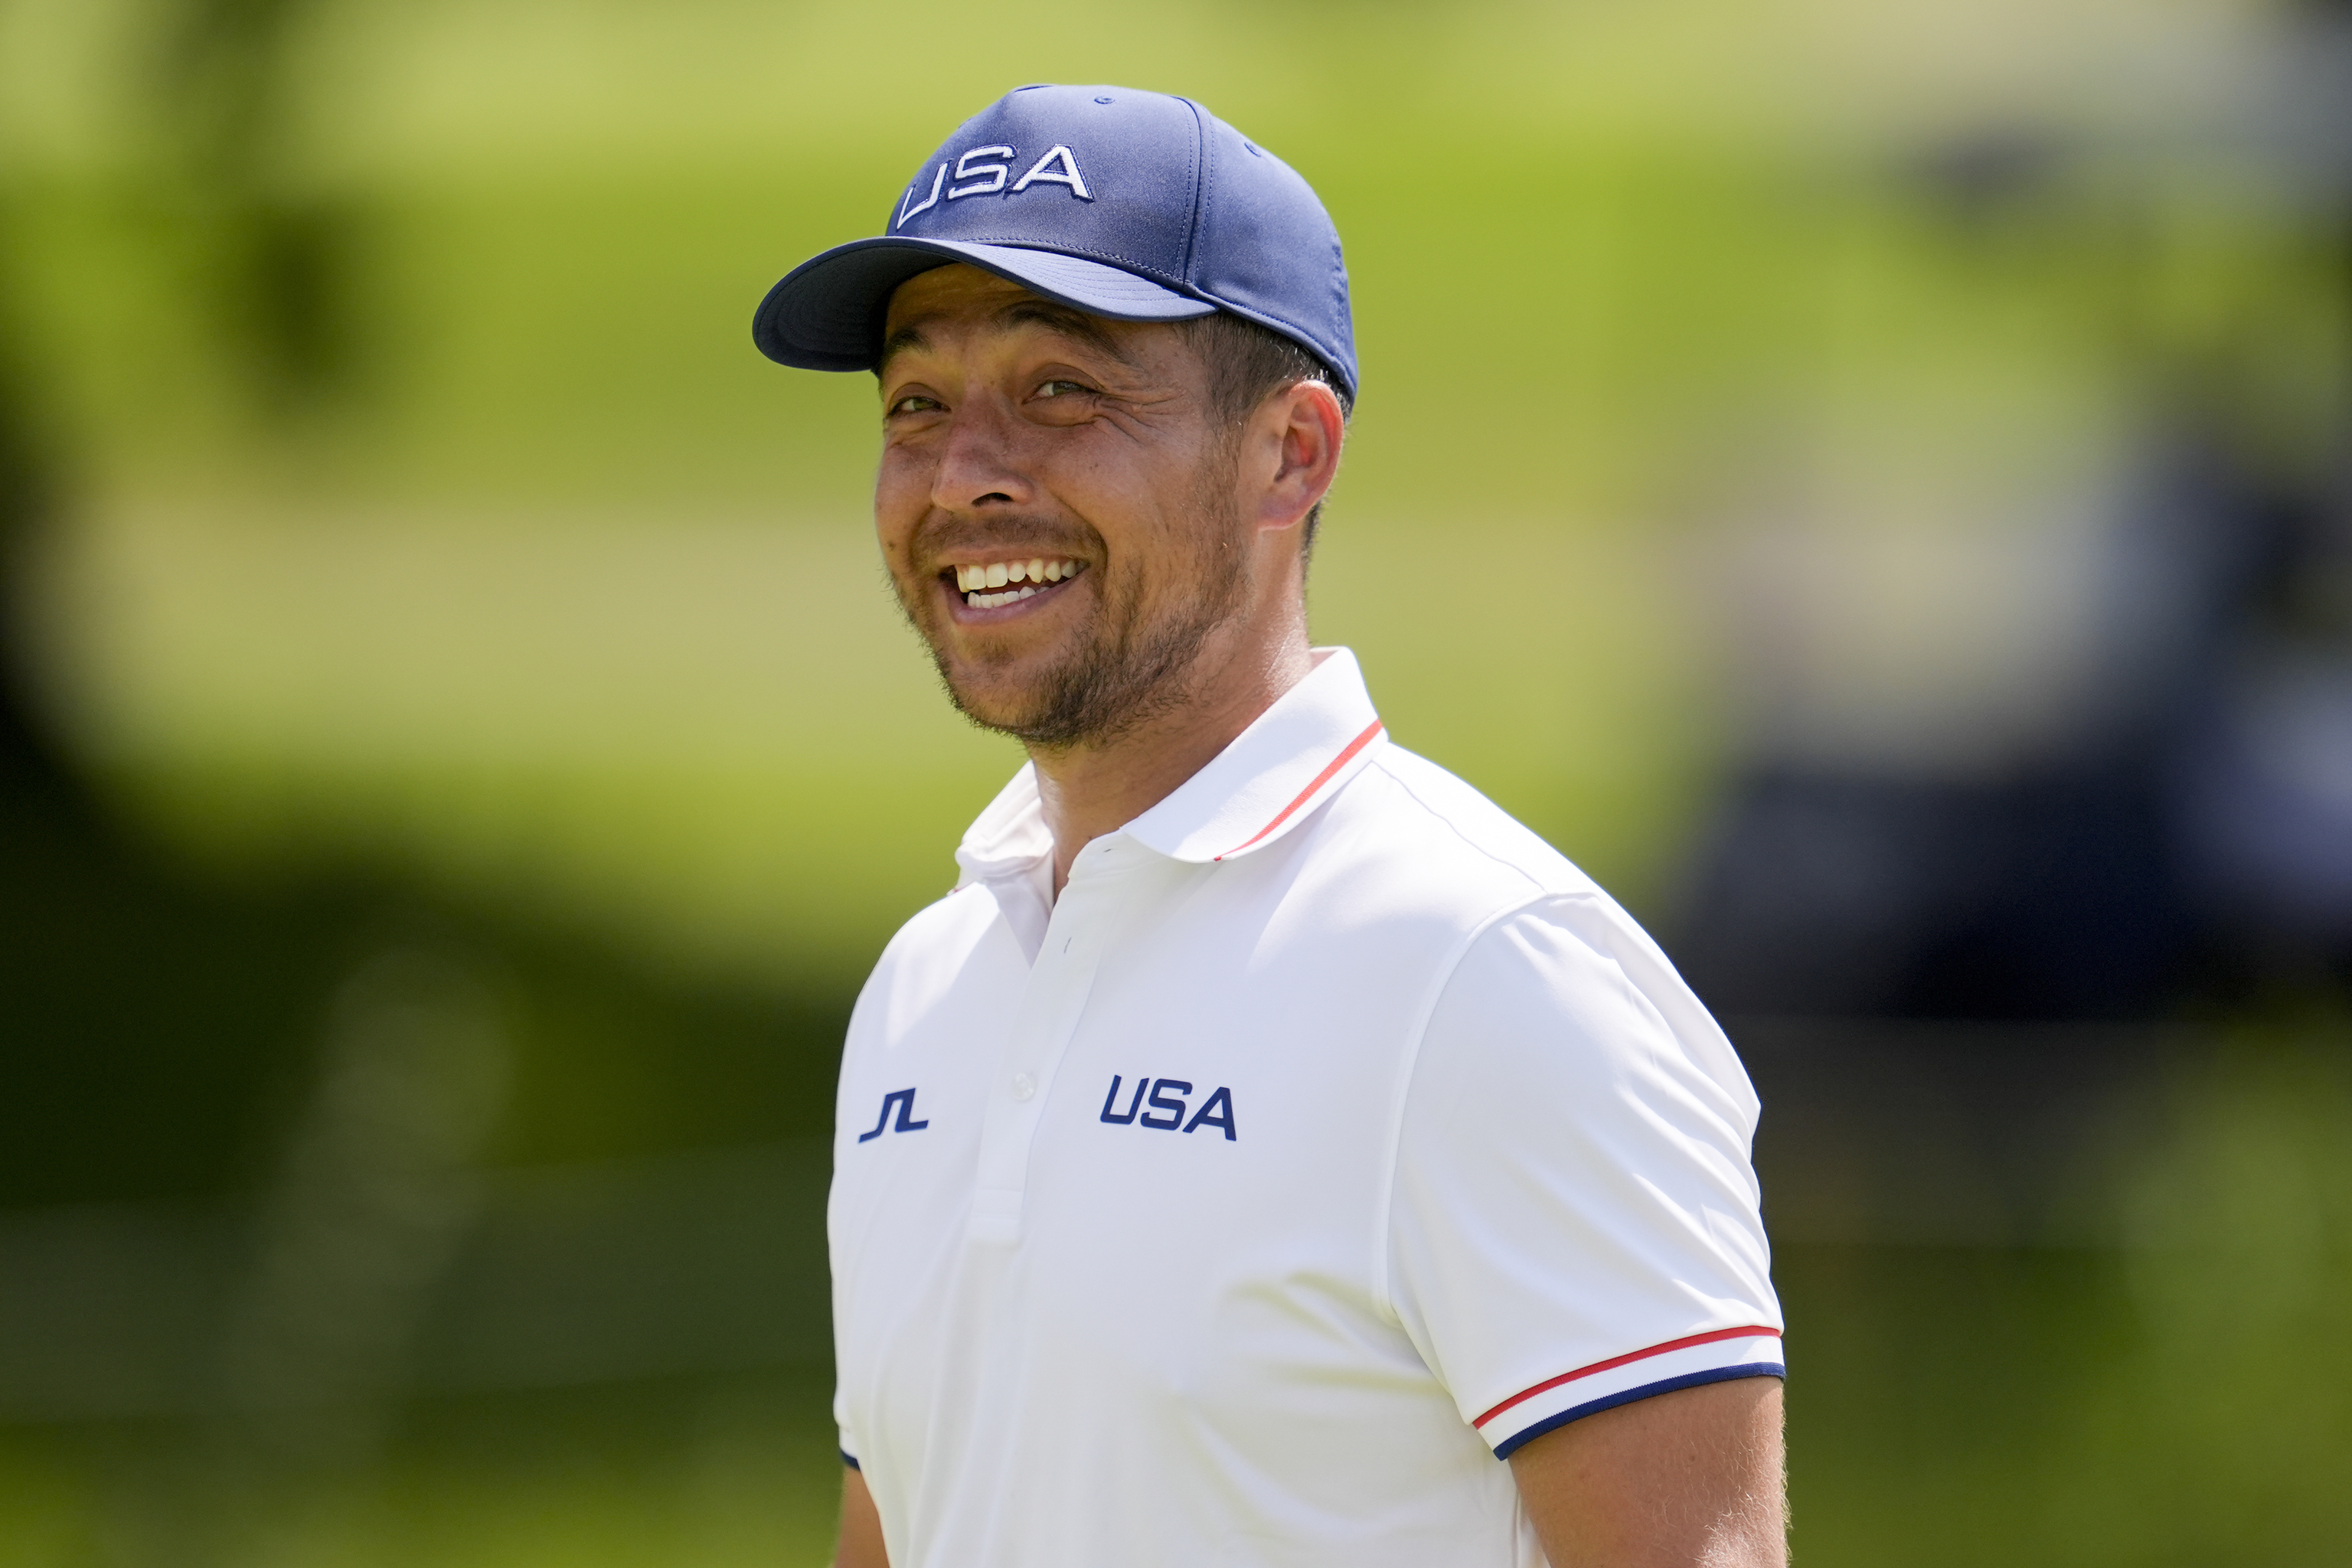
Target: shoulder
(1406,833)
(1550,960)
(1467,831)
(1520,935)
(926,957)
(1569,988)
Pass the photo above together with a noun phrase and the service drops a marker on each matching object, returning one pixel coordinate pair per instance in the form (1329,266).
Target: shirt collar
(1294,755)
(1010,836)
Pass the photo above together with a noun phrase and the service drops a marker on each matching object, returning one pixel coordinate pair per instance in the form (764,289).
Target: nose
(979,465)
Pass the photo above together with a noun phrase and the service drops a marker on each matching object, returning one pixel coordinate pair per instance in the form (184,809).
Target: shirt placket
(1093,904)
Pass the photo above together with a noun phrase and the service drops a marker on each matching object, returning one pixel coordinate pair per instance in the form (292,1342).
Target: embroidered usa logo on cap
(1135,205)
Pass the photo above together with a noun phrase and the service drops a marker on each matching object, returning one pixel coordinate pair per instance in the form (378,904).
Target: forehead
(960,302)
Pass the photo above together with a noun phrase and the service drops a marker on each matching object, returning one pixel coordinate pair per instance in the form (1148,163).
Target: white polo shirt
(1330,1137)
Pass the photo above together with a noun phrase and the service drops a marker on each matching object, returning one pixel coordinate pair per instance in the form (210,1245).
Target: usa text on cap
(1134,206)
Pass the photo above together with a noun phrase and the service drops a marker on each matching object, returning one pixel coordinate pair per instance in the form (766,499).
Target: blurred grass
(658,731)
(697,1474)
(560,498)
(2181,1400)
(557,596)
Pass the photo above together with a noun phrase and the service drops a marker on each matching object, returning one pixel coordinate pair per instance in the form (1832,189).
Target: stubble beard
(1127,666)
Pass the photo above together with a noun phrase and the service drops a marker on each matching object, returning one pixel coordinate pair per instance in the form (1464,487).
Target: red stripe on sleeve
(1748,1333)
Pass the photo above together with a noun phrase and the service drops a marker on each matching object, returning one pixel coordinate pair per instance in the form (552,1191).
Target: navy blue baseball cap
(1134,206)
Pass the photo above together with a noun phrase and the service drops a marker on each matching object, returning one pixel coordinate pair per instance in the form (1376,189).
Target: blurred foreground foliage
(2179,1400)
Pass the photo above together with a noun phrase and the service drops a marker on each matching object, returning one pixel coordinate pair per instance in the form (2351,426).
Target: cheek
(899,473)
(900,499)
(1146,504)
(1101,476)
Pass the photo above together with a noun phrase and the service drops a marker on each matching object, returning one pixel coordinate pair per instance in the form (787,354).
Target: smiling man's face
(1056,505)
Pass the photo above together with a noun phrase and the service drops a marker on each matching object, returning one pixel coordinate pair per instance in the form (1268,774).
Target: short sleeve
(841,1422)
(1575,1222)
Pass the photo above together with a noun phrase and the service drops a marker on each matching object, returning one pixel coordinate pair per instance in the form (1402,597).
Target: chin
(995,702)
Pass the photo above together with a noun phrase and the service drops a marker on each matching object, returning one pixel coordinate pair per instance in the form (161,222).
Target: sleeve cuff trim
(1504,1449)
(851,1460)
(1751,1330)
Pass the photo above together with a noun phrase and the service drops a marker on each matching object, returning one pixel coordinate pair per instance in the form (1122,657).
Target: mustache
(936,537)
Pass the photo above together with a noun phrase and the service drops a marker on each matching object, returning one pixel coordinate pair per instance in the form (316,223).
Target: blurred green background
(463,755)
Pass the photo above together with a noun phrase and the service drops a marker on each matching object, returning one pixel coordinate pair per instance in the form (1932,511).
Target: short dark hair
(1249,364)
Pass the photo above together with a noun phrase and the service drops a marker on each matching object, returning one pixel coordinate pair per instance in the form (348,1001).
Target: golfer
(1269,1153)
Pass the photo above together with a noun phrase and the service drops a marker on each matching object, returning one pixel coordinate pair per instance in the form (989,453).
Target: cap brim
(827,312)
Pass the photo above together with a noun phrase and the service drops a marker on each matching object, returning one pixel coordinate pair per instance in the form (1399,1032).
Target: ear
(1293,440)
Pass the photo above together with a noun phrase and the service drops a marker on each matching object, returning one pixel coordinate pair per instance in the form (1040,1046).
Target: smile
(1004,582)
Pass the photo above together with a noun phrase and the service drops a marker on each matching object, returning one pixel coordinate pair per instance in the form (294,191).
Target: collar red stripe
(1358,744)
(1750,1331)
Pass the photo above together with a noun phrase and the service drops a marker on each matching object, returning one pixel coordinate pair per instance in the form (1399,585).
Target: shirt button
(1024,1086)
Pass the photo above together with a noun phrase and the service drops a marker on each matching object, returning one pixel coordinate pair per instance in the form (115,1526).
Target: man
(1267,1134)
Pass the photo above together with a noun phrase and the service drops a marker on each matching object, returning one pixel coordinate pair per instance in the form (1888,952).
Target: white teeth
(989,601)
(977,581)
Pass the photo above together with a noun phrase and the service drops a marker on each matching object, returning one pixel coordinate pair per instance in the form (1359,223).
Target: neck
(1094,788)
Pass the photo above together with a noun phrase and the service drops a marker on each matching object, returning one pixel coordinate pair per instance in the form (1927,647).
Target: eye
(1061,388)
(915,402)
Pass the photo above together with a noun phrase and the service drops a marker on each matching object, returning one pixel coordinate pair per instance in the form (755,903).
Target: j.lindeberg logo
(979,172)
(904,1098)
(1167,1106)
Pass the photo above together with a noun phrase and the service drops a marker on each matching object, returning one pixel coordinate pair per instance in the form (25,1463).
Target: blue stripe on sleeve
(1504,1449)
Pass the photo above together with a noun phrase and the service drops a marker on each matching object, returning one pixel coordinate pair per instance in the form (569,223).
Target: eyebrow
(1028,311)
(1091,331)
(906,337)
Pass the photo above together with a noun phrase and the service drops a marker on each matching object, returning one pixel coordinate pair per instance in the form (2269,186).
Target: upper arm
(861,1526)
(1683,1479)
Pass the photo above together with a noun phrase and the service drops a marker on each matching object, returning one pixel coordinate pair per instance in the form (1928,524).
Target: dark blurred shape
(289,282)
(1977,177)
(140,1012)
(1957,1134)
(280,258)
(2193,839)
(565,1274)
(147,1015)
(256,1133)
(2189,836)
(379,1189)
(29,488)
(2049,898)
(2109,876)
(2261,787)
